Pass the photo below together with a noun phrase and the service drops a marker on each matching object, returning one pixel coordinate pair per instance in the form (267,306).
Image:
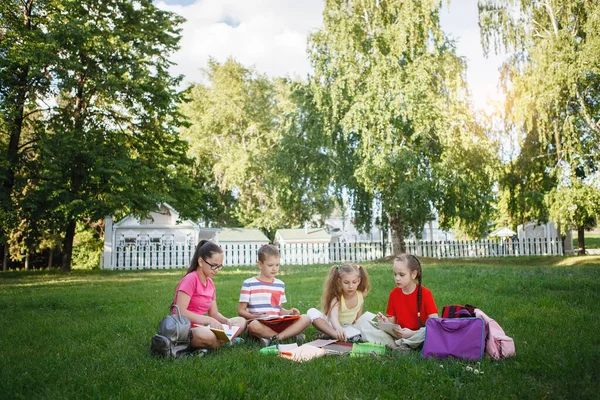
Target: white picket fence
(486,248)
(159,256)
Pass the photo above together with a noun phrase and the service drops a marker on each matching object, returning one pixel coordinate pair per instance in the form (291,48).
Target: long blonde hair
(332,288)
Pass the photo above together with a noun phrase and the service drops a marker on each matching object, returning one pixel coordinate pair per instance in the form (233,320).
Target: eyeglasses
(214,267)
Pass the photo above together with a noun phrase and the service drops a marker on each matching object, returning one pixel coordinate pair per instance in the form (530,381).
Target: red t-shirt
(404,307)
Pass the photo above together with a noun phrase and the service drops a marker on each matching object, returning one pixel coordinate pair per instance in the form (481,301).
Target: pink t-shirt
(201,295)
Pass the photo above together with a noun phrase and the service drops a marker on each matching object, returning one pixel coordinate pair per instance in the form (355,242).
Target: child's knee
(313,314)
(204,338)
(239,321)
(304,320)
(254,327)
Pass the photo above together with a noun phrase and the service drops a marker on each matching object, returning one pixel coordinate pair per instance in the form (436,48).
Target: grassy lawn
(592,240)
(86,335)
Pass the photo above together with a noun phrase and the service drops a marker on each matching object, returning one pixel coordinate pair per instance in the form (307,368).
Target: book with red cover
(279,321)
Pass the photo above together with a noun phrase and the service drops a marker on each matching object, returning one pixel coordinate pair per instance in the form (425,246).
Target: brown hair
(413,264)
(332,289)
(204,250)
(267,250)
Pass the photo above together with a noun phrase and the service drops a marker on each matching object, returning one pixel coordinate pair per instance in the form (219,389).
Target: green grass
(592,240)
(86,335)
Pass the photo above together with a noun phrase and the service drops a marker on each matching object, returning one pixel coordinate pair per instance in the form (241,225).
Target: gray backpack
(174,336)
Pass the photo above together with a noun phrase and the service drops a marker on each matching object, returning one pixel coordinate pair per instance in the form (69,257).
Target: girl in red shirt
(410,304)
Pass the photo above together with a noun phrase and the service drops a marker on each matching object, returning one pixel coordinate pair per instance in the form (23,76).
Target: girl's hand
(382,318)
(340,334)
(405,333)
(294,311)
(216,324)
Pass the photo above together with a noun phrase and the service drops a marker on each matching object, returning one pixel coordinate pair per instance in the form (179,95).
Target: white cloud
(267,34)
(271,35)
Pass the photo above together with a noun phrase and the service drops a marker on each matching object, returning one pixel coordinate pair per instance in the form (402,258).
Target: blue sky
(270,35)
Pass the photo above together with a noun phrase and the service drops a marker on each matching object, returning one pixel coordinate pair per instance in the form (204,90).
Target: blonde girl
(344,291)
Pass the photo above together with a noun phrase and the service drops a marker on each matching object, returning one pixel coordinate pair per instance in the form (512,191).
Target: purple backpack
(454,337)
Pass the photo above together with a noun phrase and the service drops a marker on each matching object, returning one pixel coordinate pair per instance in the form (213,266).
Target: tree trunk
(5,258)
(581,240)
(27,261)
(68,246)
(50,258)
(397,227)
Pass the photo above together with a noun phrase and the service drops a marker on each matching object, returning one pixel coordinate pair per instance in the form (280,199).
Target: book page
(387,328)
(351,331)
(303,353)
(227,333)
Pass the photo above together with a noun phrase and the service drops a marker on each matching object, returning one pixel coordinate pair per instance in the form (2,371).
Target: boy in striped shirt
(262,297)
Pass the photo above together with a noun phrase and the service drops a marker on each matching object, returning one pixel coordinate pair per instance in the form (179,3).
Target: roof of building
(251,235)
(303,235)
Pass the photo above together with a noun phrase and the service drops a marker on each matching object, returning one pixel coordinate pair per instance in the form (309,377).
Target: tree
(553,85)
(259,139)
(25,55)
(109,143)
(393,94)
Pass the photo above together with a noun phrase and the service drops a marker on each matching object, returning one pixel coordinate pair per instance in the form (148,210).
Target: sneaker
(266,342)
(200,352)
(321,335)
(237,340)
(300,338)
(161,346)
(355,339)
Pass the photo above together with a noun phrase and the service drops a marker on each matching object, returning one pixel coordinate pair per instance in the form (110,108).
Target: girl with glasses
(196,297)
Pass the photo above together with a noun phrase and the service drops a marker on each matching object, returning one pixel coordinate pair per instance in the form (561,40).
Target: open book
(226,334)
(282,321)
(278,317)
(388,328)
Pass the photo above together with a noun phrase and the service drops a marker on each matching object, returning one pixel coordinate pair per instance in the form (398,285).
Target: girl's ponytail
(419,292)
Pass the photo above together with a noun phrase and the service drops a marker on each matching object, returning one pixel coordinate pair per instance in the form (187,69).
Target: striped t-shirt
(263,297)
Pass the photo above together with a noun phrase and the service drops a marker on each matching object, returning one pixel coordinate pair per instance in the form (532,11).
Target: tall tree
(553,82)
(25,54)
(109,143)
(260,140)
(393,93)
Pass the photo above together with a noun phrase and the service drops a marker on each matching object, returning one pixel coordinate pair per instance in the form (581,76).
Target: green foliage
(106,319)
(576,205)
(259,141)
(87,246)
(523,184)
(393,94)
(553,83)
(108,142)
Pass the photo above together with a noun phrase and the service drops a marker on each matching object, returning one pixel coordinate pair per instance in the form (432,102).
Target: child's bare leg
(204,338)
(259,330)
(295,328)
(325,327)
(239,321)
